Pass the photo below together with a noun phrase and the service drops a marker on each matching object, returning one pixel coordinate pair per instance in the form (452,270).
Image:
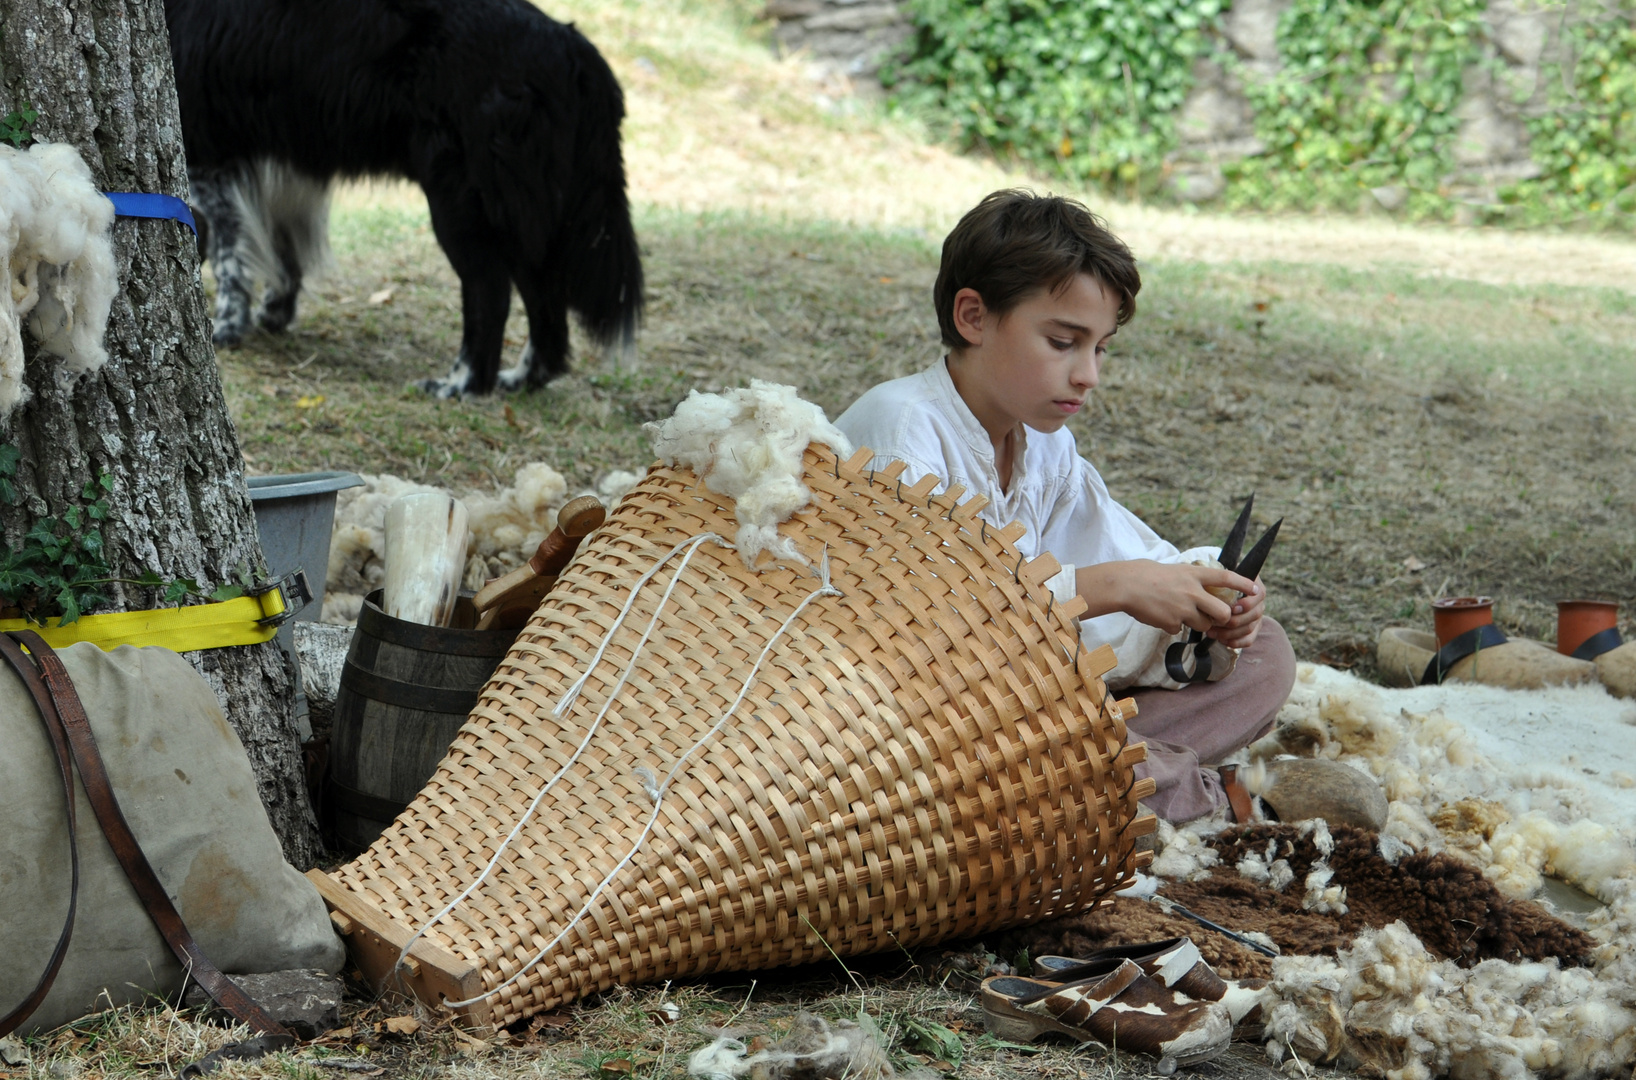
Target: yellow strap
(201,626)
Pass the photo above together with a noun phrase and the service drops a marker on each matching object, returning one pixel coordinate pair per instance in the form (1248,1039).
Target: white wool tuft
(1184,852)
(814,1047)
(57,263)
(748,445)
(507,527)
(1279,875)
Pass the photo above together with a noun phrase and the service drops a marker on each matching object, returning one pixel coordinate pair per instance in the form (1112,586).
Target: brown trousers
(1202,724)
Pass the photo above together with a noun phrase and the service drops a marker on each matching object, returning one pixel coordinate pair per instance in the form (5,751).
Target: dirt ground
(1429,411)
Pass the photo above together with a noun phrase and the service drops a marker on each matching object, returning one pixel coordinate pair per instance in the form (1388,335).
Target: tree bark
(99,72)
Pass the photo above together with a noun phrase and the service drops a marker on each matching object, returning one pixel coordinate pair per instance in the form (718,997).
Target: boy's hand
(1239,631)
(1171,596)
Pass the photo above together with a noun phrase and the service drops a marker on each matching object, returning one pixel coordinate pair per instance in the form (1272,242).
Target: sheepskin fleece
(747,444)
(506,528)
(1514,785)
(1456,912)
(57,263)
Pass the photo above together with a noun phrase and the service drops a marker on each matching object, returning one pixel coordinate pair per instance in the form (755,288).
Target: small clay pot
(1577,620)
(1454,615)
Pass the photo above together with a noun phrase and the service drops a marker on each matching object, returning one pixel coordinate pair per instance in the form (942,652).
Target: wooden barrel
(405,690)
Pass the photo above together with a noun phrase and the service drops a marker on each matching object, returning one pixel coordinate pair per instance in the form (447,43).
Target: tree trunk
(99,73)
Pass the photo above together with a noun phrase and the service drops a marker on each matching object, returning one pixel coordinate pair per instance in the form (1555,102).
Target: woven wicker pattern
(929,755)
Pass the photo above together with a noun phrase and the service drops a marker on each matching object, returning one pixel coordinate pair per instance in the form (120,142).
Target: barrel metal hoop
(375,623)
(350,800)
(425,699)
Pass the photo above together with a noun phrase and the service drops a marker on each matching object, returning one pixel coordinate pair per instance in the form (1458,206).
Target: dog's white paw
(456,384)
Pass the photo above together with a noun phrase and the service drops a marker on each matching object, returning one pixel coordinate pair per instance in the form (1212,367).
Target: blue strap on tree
(137,205)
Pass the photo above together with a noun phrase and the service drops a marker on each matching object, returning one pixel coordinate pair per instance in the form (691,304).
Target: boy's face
(1038,364)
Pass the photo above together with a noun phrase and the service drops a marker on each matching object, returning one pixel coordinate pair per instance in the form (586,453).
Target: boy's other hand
(1240,630)
(1171,596)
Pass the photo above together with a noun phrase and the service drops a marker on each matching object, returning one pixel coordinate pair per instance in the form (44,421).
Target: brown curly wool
(1456,913)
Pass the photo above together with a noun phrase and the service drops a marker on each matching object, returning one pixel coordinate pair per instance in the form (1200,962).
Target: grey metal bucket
(295,515)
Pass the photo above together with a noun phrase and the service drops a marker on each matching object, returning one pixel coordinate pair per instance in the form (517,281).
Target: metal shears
(1176,656)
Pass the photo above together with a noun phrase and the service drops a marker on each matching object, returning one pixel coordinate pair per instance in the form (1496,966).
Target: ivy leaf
(70,607)
(179,588)
(150,579)
(226,592)
(9,457)
(97,511)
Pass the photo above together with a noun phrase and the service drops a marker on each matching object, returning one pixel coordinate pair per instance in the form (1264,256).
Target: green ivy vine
(60,568)
(1366,98)
(1365,101)
(1083,88)
(1583,139)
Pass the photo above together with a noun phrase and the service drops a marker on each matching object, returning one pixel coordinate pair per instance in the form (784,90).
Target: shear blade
(1251,566)
(1235,539)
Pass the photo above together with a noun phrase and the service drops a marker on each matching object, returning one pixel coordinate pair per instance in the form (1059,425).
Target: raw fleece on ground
(1514,784)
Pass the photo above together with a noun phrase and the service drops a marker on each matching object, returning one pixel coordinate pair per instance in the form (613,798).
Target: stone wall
(1216,124)
(841,37)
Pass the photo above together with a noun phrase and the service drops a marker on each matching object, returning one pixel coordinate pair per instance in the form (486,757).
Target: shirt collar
(970,428)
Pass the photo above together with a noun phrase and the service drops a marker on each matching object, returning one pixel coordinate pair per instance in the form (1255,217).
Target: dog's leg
(277,308)
(545,355)
(213,197)
(485,295)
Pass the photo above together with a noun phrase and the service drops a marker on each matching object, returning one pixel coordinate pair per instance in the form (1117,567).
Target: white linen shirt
(1058,496)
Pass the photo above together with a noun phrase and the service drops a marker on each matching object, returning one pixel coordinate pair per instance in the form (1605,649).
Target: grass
(1480,430)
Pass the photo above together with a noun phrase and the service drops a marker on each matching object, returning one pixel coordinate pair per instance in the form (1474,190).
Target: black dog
(507,119)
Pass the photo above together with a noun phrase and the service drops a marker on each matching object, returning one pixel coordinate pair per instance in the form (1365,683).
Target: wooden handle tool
(499,601)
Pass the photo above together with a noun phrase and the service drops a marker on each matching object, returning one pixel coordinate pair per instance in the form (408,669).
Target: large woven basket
(929,755)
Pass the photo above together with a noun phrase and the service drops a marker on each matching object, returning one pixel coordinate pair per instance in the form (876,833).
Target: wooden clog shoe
(1175,963)
(1122,1008)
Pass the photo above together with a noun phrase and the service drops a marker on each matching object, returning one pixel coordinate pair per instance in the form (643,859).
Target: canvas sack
(184,782)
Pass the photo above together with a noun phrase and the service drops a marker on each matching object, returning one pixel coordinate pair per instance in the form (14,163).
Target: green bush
(1082,88)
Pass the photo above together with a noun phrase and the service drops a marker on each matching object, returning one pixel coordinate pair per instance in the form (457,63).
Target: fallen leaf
(340,1033)
(1413,565)
(309,401)
(617,1066)
(383,296)
(667,1013)
(403,1025)
(758,1044)
(511,418)
(550,1020)
(887,280)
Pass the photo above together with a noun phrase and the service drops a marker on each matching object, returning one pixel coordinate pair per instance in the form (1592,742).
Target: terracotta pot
(1577,620)
(1454,615)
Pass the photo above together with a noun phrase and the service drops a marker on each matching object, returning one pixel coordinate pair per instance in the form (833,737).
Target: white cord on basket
(692,546)
(825,589)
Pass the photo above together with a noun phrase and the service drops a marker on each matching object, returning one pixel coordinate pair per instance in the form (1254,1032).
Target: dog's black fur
(507,119)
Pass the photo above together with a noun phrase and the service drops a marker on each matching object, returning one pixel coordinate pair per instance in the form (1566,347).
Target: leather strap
(1483,637)
(59,746)
(1598,643)
(99,791)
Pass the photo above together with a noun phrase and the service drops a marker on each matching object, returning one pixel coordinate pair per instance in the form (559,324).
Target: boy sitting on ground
(1030,291)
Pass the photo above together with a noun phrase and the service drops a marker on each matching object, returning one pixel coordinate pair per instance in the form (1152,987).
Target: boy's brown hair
(1015,242)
